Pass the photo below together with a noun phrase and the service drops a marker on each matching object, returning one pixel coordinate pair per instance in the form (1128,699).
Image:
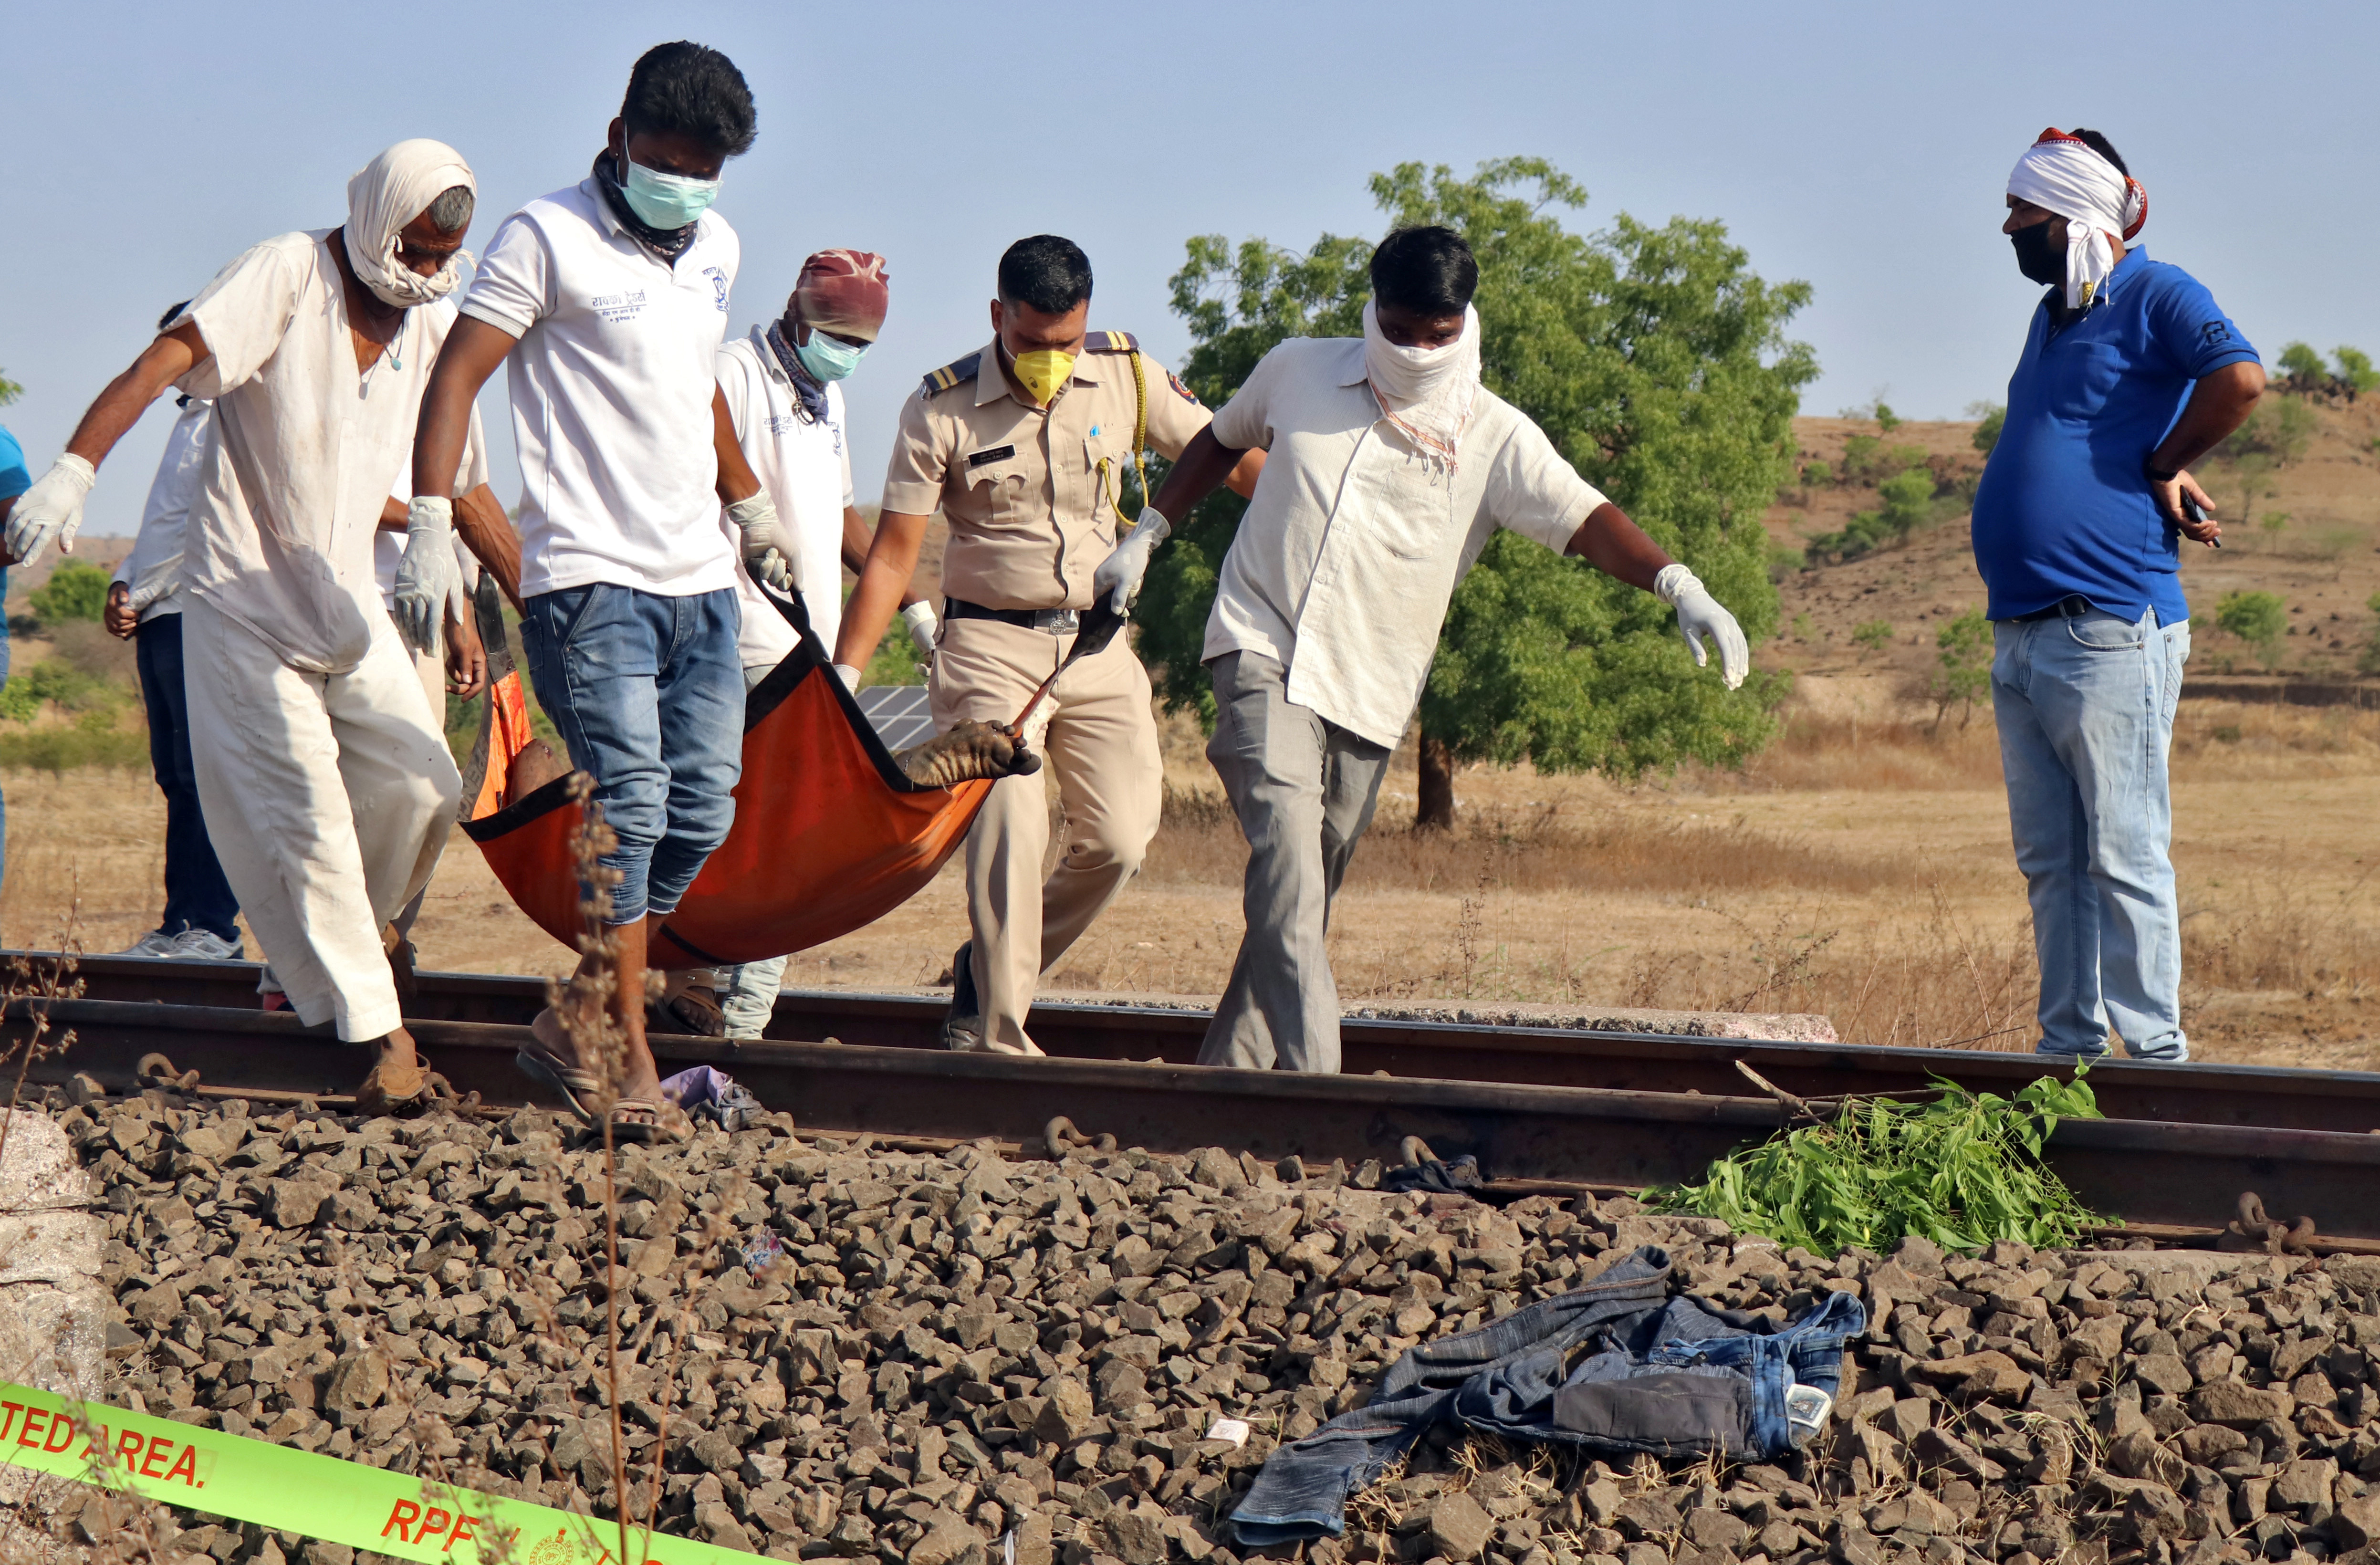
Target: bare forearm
(1204,464)
(489,534)
(891,560)
(857,538)
(127,397)
(1618,547)
(2218,405)
(473,350)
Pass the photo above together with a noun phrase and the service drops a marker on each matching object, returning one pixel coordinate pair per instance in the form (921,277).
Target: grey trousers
(1303,788)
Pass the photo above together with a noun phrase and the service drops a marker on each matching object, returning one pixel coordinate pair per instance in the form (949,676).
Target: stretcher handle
(1097,627)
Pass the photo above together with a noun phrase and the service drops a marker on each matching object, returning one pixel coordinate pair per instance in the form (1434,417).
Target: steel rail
(2253,1097)
(2153,1173)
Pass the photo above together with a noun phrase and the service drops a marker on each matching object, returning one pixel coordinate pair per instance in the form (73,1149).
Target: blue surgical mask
(666,200)
(826,358)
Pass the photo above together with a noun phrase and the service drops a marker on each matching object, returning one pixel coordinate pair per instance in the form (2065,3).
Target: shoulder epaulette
(1109,342)
(952,374)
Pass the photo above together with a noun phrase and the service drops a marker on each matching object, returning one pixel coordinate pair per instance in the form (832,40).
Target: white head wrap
(1425,392)
(2064,175)
(386,194)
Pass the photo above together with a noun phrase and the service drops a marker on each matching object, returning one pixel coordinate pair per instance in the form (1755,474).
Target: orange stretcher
(828,835)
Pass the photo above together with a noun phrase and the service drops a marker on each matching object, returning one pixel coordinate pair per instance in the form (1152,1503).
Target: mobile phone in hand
(2197,513)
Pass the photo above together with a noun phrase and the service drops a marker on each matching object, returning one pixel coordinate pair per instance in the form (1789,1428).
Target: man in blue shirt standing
(2130,373)
(14,480)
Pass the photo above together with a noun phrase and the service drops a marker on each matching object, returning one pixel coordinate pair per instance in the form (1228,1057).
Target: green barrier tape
(319,1496)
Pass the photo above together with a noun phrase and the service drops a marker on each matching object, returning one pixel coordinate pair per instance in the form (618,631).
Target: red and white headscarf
(2064,174)
(845,292)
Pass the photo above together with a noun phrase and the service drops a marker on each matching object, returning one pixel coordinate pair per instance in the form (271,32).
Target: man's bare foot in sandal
(398,1082)
(556,1061)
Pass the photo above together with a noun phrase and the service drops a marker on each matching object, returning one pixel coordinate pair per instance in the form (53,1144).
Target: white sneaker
(195,944)
(156,943)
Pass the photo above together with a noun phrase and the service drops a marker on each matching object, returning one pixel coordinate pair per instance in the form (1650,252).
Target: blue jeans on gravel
(647,694)
(2084,708)
(197,895)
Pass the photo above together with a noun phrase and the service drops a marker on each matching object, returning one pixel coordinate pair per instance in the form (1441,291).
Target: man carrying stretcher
(324,773)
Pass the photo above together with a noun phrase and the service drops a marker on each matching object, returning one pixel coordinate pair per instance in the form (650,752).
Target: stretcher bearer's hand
(924,626)
(1700,615)
(1119,577)
(421,575)
(51,509)
(767,552)
(120,617)
(466,658)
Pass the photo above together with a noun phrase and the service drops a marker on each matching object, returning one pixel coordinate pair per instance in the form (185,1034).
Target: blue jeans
(197,895)
(2084,708)
(647,694)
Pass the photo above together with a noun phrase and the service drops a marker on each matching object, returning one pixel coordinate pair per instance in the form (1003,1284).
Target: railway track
(1592,1109)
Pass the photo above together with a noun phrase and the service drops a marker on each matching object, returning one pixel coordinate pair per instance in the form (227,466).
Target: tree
(2303,368)
(76,590)
(2355,371)
(2257,618)
(1964,650)
(1990,417)
(9,391)
(1655,359)
(1873,635)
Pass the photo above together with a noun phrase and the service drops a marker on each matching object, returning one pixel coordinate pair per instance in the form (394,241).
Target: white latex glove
(1119,576)
(923,627)
(422,576)
(849,675)
(767,552)
(1700,615)
(51,509)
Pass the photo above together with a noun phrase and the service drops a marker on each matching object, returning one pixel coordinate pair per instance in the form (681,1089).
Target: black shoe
(963,1023)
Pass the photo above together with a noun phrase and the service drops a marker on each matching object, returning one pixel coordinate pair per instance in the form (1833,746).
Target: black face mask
(2034,256)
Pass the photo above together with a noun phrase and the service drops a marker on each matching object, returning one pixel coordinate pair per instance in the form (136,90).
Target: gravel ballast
(963,1356)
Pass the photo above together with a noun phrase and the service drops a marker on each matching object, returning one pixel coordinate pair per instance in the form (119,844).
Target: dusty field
(1860,869)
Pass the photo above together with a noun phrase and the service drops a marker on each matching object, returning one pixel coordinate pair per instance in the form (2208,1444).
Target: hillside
(2323,557)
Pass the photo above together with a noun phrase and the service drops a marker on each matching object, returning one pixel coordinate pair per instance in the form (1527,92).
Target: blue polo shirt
(2062,508)
(13,482)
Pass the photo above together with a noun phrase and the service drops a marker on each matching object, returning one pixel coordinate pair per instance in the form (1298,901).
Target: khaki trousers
(1303,788)
(1098,736)
(328,798)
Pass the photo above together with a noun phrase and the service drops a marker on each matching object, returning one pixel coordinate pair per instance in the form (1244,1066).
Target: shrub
(2257,618)
(76,590)
(92,741)
(1784,560)
(1990,417)
(2355,371)
(2303,367)
(2370,662)
(1965,676)
(1874,635)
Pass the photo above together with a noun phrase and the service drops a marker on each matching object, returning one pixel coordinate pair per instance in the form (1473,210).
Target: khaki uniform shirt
(1030,493)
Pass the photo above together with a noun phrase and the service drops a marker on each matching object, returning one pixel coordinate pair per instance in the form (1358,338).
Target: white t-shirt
(807,469)
(303,448)
(155,563)
(1352,543)
(612,384)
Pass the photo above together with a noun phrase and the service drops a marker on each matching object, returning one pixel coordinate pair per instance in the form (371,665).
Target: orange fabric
(509,736)
(829,835)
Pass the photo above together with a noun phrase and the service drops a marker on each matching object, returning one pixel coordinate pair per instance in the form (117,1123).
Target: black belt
(1055,622)
(2073,606)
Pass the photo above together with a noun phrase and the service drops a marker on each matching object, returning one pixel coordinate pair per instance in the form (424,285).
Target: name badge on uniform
(997,454)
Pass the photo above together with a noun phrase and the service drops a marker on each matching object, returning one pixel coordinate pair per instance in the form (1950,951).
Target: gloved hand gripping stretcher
(831,830)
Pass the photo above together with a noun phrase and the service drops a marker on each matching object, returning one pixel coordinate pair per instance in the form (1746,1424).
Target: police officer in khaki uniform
(1023,445)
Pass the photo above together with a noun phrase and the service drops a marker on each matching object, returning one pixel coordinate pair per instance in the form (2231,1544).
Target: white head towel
(1425,392)
(2064,175)
(386,194)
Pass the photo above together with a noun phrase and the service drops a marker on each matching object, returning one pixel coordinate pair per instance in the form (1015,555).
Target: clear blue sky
(1859,147)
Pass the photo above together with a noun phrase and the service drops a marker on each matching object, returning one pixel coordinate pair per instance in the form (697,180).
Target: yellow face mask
(1042,372)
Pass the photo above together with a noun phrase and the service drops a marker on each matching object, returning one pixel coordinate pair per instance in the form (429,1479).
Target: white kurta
(322,767)
(806,468)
